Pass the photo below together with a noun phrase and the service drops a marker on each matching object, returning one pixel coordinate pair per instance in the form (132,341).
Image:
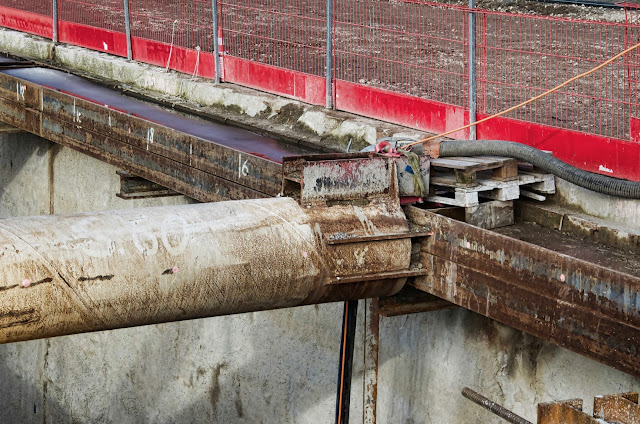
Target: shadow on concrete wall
(262,367)
(24,173)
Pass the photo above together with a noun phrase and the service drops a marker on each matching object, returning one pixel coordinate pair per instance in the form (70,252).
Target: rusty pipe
(493,407)
(106,270)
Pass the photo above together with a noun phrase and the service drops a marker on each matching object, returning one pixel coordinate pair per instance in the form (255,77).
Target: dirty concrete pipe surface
(106,270)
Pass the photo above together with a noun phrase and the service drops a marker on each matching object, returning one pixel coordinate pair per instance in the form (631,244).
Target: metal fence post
(54,19)
(216,47)
(329,60)
(127,25)
(472,71)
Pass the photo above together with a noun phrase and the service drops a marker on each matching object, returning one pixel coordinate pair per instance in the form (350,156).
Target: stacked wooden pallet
(463,181)
(481,190)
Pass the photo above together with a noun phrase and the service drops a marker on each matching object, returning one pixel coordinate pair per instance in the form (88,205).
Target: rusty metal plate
(568,412)
(19,91)
(621,408)
(592,310)
(348,179)
(171,174)
(410,301)
(182,162)
(19,116)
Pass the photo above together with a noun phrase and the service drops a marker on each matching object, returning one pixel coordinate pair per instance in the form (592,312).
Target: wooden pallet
(468,170)
(463,181)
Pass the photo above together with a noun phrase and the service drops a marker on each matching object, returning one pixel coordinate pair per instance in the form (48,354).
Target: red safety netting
(381,49)
(413,48)
(289,34)
(184,23)
(521,56)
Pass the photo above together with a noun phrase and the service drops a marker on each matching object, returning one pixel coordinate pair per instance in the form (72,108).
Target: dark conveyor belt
(235,138)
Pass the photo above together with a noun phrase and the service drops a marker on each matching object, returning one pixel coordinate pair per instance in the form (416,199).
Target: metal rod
(127,25)
(493,407)
(216,46)
(329,60)
(472,71)
(586,3)
(345,366)
(54,18)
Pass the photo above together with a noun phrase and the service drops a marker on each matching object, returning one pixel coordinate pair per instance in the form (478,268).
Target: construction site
(319,211)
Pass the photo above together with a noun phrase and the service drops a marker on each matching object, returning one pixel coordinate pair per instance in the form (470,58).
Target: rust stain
(21,317)
(97,278)
(622,408)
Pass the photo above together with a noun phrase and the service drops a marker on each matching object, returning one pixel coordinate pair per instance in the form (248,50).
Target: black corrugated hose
(589,180)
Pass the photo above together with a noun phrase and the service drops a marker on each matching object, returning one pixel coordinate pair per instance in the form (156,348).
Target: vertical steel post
(345,366)
(329,60)
(371,356)
(127,26)
(54,18)
(472,70)
(216,47)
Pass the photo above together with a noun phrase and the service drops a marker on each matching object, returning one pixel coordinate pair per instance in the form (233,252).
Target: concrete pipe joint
(106,270)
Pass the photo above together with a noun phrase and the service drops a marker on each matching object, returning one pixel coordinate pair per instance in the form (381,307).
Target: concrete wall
(270,367)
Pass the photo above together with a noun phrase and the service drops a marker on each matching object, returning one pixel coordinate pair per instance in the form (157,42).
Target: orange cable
(546,93)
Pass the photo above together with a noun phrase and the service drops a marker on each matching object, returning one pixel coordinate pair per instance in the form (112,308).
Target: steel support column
(127,26)
(472,71)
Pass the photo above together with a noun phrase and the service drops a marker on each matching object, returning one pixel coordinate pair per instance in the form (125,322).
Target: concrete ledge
(271,113)
(579,224)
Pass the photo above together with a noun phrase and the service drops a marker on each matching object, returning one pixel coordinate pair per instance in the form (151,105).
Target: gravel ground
(550,9)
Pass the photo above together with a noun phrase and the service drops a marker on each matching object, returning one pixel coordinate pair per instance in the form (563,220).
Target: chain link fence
(408,47)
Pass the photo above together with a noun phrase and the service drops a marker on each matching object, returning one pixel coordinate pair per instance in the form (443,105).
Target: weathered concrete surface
(622,211)
(98,187)
(570,220)
(284,117)
(25,158)
(426,360)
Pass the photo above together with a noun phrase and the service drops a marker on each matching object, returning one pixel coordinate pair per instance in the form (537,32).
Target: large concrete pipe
(97,271)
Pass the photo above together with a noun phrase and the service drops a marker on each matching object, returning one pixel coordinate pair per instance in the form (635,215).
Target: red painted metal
(178,58)
(20,20)
(634,129)
(423,114)
(297,85)
(103,40)
(604,155)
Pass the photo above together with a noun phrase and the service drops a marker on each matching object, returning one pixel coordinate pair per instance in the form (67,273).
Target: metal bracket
(368,182)
(349,177)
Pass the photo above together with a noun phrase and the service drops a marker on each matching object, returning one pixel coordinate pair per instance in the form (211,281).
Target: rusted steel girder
(148,147)
(579,305)
(98,271)
(619,409)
